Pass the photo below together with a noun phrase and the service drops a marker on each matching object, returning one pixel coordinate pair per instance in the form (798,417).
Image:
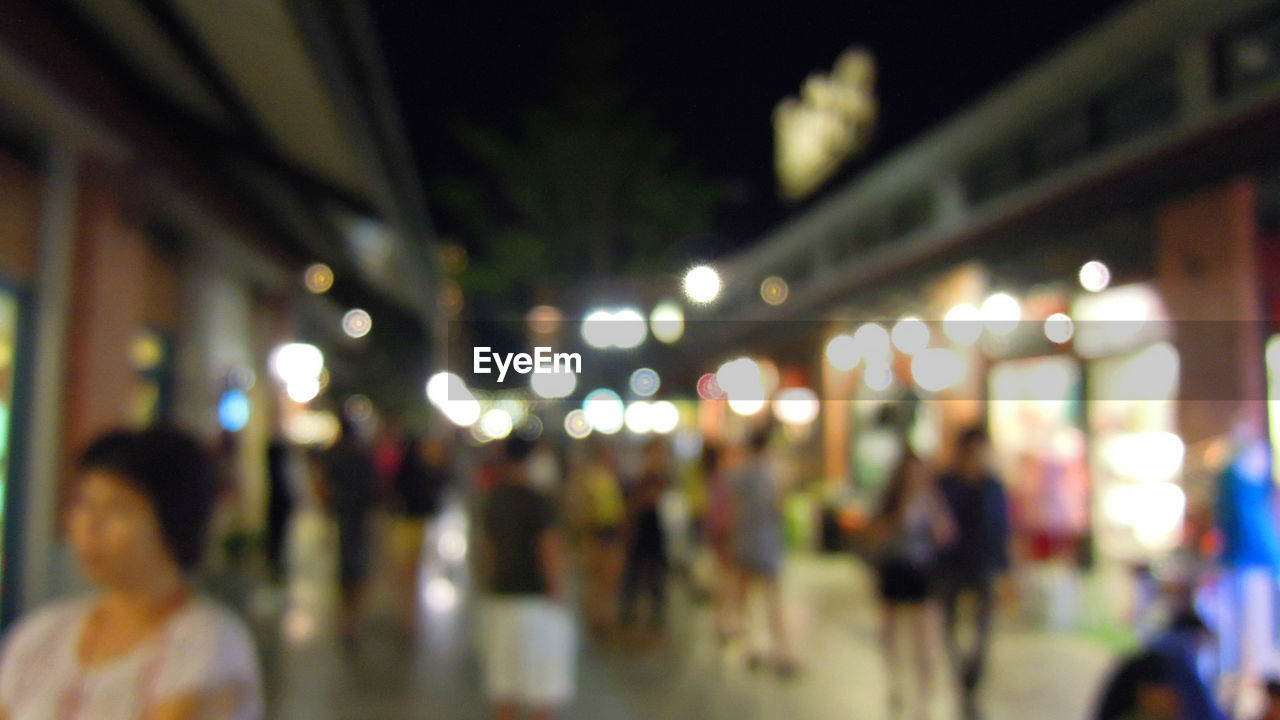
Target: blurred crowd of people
(602,529)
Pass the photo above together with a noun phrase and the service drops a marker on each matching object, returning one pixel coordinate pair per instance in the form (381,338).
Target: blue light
(233,410)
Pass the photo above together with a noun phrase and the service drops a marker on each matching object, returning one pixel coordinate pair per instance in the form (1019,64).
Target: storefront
(1136,453)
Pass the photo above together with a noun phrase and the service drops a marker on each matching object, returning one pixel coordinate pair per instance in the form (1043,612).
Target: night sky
(713,74)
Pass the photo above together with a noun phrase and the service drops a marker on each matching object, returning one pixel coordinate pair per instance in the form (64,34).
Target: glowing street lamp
(702,284)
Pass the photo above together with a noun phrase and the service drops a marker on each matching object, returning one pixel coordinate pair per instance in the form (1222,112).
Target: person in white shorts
(143,646)
(528,642)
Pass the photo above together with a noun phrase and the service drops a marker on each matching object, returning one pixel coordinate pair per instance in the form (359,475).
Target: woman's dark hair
(895,491)
(517,449)
(173,471)
(971,438)
(710,459)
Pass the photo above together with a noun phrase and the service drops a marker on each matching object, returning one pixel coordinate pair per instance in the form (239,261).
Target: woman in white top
(143,647)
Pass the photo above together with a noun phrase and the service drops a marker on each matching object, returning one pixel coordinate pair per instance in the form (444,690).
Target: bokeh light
(963,324)
(358,408)
(709,389)
(872,342)
(604,411)
(357,323)
(576,424)
(553,385)
(741,379)
(937,369)
(544,320)
(878,376)
(746,406)
(665,417)
(629,329)
(296,361)
(1001,313)
(639,417)
(842,352)
(450,394)
(910,335)
(774,290)
(624,328)
(1059,328)
(1095,276)
(233,410)
(496,423)
(440,595)
(644,382)
(302,390)
(666,322)
(796,406)
(702,284)
(442,386)
(318,278)
(530,429)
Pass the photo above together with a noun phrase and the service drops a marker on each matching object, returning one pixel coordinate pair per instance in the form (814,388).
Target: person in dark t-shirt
(646,553)
(349,473)
(970,565)
(528,647)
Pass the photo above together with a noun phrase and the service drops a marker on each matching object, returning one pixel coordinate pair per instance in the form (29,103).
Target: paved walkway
(829,602)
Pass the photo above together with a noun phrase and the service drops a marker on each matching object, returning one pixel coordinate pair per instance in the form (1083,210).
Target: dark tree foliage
(587,186)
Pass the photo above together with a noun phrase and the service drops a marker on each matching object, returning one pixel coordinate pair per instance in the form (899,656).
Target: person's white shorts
(529,649)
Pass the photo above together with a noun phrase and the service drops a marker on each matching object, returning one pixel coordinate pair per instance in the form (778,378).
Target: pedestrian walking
(970,566)
(913,522)
(758,548)
(528,642)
